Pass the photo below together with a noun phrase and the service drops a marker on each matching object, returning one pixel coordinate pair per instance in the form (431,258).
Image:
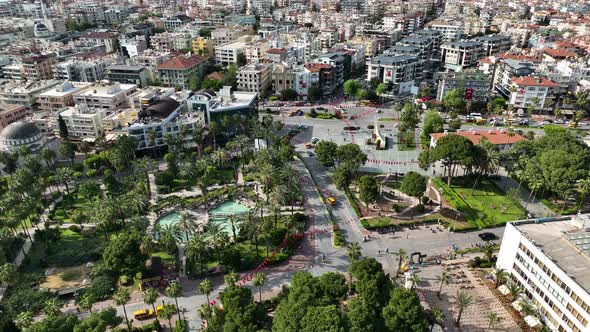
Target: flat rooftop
(106,90)
(552,238)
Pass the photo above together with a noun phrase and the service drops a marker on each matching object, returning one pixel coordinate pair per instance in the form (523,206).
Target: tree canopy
(413,184)
(452,150)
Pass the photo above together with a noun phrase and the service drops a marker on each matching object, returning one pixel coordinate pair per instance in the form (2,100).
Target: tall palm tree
(438,317)
(166,312)
(64,176)
(500,276)
(258,280)
(353,251)
(444,278)
(150,296)
(494,319)
(215,230)
(463,301)
(48,155)
(488,249)
(583,187)
(121,298)
(197,249)
(213,130)
(174,290)
(186,225)
(206,288)
(199,138)
(23,320)
(233,221)
(152,137)
(401,254)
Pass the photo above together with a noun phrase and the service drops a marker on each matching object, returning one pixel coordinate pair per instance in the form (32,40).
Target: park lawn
(73,249)
(406,141)
(486,206)
(167,259)
(62,211)
(224,176)
(378,222)
(558,208)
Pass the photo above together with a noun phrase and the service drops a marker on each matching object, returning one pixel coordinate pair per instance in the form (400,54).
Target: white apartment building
(460,55)
(228,54)
(494,44)
(450,31)
(226,35)
(531,91)
(81,121)
(21,93)
(61,96)
(549,259)
(105,95)
(254,77)
(81,71)
(400,70)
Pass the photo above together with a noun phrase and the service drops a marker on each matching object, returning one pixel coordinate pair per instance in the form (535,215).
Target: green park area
(486,205)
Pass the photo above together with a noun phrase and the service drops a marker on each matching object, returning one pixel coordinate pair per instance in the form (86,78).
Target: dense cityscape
(294,165)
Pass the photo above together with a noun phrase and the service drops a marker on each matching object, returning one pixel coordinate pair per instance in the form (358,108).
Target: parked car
(559,121)
(309,154)
(315,140)
(487,236)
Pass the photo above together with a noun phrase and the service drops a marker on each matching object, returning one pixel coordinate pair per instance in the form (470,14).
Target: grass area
(74,249)
(166,257)
(64,209)
(379,222)
(406,141)
(485,206)
(223,176)
(558,208)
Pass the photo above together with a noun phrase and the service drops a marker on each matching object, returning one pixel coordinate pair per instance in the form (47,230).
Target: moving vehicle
(314,140)
(309,154)
(487,236)
(143,314)
(331,201)
(572,124)
(308,145)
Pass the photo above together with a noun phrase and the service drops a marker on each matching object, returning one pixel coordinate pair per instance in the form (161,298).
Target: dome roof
(19,130)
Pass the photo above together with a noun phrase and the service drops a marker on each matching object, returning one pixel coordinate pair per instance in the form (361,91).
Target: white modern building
(460,55)
(214,106)
(255,77)
(228,54)
(550,260)
(532,91)
(105,95)
(81,121)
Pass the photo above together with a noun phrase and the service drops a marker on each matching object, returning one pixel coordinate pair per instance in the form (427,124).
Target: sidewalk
(534,207)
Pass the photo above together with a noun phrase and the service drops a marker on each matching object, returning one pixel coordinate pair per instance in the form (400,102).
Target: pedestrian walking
(387,250)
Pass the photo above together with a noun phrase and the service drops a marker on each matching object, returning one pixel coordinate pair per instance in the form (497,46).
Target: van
(331,201)
(143,314)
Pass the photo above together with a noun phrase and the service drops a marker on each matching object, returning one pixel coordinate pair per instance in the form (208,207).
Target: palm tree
(150,296)
(230,279)
(494,319)
(199,138)
(444,278)
(213,130)
(152,137)
(47,154)
(258,280)
(8,274)
(186,226)
(415,280)
(206,288)
(174,290)
(221,157)
(233,221)
(401,254)
(527,308)
(23,320)
(87,301)
(64,175)
(353,251)
(121,298)
(438,317)
(500,276)
(515,291)
(52,307)
(488,249)
(166,312)
(215,230)
(197,249)
(463,300)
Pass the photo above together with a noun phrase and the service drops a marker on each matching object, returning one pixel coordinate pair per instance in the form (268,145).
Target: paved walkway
(534,207)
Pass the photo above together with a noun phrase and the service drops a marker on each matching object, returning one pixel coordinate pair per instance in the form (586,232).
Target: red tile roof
(276,51)
(316,67)
(533,81)
(181,63)
(214,76)
(559,53)
(99,35)
(513,56)
(496,137)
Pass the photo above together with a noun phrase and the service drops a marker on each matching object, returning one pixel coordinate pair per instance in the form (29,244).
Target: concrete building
(81,70)
(213,106)
(474,85)
(494,44)
(400,70)
(17,92)
(61,96)
(549,260)
(529,91)
(254,77)
(179,71)
(10,113)
(226,55)
(501,138)
(342,63)
(460,55)
(82,122)
(105,95)
(38,67)
(450,31)
(127,74)
(318,75)
(203,46)
(504,70)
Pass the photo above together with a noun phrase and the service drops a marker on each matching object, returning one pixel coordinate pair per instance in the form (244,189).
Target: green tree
(123,254)
(122,297)
(342,176)
(500,276)
(206,288)
(351,87)
(174,290)
(361,94)
(8,274)
(86,301)
(150,296)
(438,317)
(289,94)
(68,150)
(258,280)
(369,189)
(453,151)
(314,93)
(166,312)
(241,60)
(363,317)
(409,118)
(433,123)
(404,312)
(23,320)
(462,301)
(414,184)
(444,278)
(493,319)
(326,152)
(453,100)
(52,307)
(63,128)
(323,318)
(58,323)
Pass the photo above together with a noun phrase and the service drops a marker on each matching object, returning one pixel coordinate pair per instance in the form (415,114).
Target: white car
(314,140)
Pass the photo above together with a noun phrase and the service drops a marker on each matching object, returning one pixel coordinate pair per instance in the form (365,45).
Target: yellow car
(160,307)
(331,200)
(143,314)
(572,124)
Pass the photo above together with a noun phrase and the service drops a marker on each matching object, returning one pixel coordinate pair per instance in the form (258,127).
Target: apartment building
(105,95)
(127,74)
(450,31)
(319,75)
(162,42)
(225,36)
(226,55)
(475,85)
(254,77)
(213,106)
(81,121)
(506,69)
(494,44)
(150,58)
(10,113)
(400,70)
(171,23)
(108,39)
(38,67)
(81,70)
(282,77)
(203,46)
(179,71)
(342,63)
(549,260)
(460,55)
(256,51)
(25,94)
(61,96)
(530,91)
